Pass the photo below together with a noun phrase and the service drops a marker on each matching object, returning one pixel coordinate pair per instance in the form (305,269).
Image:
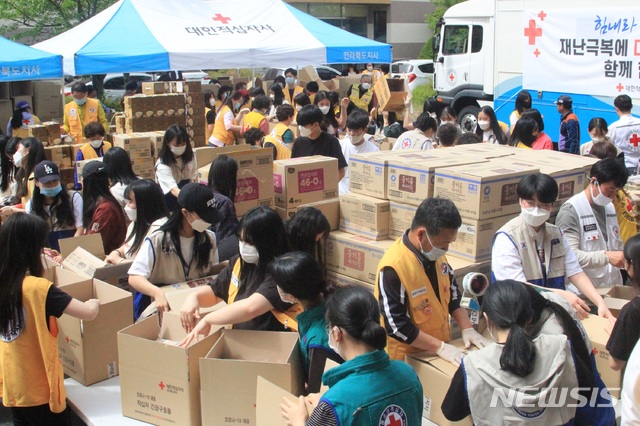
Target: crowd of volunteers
(272,274)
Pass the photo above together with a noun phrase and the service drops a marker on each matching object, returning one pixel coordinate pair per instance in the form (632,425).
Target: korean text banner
(20,62)
(596,51)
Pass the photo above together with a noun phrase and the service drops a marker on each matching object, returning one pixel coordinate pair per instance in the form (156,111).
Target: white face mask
(298,108)
(357,140)
(335,348)
(304,131)
(200,225)
(17,159)
(212,102)
(325,109)
(178,150)
(366,86)
(96,143)
(272,96)
(131,213)
(601,199)
(249,253)
(484,125)
(435,253)
(597,140)
(534,216)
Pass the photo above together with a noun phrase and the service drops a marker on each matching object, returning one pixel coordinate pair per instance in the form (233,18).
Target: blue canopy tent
(152,35)
(19,62)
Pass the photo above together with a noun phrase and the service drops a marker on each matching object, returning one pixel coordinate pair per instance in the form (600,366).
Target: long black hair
(507,305)
(175,132)
(223,176)
(632,256)
(330,117)
(300,275)
(150,206)
(95,187)
(16,119)
(22,238)
(202,245)
(6,166)
(119,166)
(278,94)
(523,131)
(493,125)
(61,211)
(36,155)
(304,227)
(263,228)
(356,311)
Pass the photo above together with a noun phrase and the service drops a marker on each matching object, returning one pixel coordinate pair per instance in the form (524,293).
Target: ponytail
(519,353)
(374,335)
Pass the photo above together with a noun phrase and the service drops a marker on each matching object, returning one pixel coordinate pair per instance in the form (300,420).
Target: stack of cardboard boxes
(139,148)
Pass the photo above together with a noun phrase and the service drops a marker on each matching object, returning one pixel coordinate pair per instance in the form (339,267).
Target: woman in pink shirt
(543,141)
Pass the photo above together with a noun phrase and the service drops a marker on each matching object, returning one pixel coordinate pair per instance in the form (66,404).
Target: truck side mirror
(441,59)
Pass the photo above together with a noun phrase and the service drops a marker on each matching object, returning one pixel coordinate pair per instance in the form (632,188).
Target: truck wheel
(468,118)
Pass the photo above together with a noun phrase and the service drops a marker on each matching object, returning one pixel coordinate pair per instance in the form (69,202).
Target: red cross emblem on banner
(223,19)
(532,31)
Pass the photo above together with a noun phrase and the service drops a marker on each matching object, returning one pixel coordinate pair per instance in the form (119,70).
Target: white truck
(486,51)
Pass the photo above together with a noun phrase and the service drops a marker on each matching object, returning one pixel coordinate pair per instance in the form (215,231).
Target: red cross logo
(542,15)
(161,385)
(394,420)
(635,140)
(67,339)
(619,87)
(452,77)
(532,32)
(223,19)
(536,52)
(595,351)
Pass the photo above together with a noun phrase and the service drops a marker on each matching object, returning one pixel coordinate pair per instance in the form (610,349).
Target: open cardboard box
(230,371)
(391,93)
(85,255)
(596,330)
(617,296)
(160,381)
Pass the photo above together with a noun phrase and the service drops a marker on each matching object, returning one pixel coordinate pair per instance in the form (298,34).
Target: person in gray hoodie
(518,379)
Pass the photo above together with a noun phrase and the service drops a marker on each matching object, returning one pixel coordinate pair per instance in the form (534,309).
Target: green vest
(311,325)
(370,390)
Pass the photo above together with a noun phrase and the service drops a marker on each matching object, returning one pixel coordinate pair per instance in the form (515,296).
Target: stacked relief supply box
(48,100)
(300,181)
(138,146)
(154,112)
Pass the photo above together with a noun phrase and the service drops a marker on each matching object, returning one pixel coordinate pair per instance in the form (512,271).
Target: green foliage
(432,19)
(113,103)
(427,50)
(46,18)
(420,94)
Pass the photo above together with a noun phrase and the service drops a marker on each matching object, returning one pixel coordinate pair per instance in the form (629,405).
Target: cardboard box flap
(83,262)
(91,243)
(251,345)
(268,400)
(596,328)
(171,328)
(62,277)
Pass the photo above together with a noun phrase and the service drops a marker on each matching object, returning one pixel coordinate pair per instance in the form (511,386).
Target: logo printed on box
(354,259)
(473,189)
(407,184)
(311,180)
(509,194)
(277,183)
(566,190)
(247,189)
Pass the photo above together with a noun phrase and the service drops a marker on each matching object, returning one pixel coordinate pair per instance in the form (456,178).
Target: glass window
(456,40)
(114,83)
(426,68)
(476,39)
(324,10)
(354,11)
(380,26)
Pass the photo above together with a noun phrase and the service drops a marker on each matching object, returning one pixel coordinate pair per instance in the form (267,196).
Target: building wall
(406,29)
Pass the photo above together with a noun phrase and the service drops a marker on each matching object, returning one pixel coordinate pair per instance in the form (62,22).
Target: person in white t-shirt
(176,165)
(625,133)
(630,394)
(357,141)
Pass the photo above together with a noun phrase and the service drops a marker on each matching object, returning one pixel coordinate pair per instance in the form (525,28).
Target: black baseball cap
(199,198)
(46,171)
(564,100)
(94,167)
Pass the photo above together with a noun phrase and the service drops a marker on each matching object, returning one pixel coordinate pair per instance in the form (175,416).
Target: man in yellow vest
(281,137)
(292,88)
(416,288)
(81,111)
(361,95)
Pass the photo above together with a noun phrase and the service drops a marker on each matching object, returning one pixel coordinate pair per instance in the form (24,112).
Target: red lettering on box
(311,180)
(407,183)
(354,259)
(247,189)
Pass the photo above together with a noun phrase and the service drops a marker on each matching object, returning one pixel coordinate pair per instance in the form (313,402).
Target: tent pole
(253,74)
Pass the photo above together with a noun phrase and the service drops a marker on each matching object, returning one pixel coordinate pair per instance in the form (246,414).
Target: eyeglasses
(328,328)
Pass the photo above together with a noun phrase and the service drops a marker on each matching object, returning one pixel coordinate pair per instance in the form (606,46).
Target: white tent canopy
(162,35)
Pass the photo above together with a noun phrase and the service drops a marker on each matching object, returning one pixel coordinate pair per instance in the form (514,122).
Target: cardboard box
(85,255)
(59,154)
(254,187)
(617,296)
(6,110)
(268,400)
(435,375)
(355,256)
(206,155)
(368,173)
(304,180)
(307,74)
(400,218)
(152,87)
(88,349)
(229,373)
(345,83)
(475,238)
(80,165)
(343,280)
(137,146)
(595,327)
(411,175)
(462,267)
(53,129)
(364,216)
(488,151)
(160,381)
(21,88)
(391,93)
(39,131)
(330,209)
(144,167)
(482,192)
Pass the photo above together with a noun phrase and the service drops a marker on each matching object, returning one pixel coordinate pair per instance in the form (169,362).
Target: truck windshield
(456,40)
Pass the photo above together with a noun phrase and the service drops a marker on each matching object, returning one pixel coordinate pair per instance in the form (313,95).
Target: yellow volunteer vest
(220,132)
(21,132)
(39,379)
(279,130)
(283,152)
(361,102)
(207,133)
(88,153)
(252,120)
(428,313)
(296,90)
(626,219)
(288,318)
(72,116)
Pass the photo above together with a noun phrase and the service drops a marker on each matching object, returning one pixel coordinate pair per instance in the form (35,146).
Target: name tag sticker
(590,227)
(419,292)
